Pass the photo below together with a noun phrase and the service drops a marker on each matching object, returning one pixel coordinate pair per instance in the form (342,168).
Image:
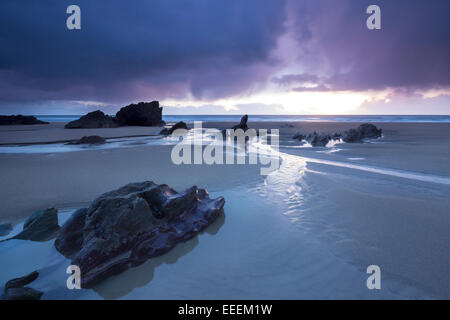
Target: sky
(226,57)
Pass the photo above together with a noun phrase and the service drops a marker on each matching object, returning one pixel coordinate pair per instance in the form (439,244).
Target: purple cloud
(172,49)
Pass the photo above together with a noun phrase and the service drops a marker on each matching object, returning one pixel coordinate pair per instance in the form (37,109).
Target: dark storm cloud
(128,50)
(126,44)
(411,50)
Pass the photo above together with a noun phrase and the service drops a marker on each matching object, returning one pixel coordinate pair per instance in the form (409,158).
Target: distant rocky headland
(19,119)
(146,114)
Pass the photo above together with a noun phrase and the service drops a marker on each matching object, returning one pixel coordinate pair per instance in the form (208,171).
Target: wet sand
(309,230)
(55,132)
(35,181)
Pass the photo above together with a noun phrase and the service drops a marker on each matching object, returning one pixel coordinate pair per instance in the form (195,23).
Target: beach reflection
(120,285)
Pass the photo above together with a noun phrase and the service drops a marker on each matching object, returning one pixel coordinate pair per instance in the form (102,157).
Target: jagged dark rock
(299,136)
(23,281)
(70,237)
(95,119)
(364,131)
(141,114)
(318,139)
(242,125)
(15,289)
(125,227)
(314,139)
(89,140)
(5,229)
(40,226)
(178,125)
(19,119)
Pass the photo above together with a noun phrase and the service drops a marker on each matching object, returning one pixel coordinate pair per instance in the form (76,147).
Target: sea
(286,118)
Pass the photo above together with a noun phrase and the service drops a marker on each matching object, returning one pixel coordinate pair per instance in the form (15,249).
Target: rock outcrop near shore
(364,131)
(176,126)
(358,135)
(19,119)
(315,139)
(242,125)
(41,225)
(89,140)
(95,119)
(15,289)
(125,227)
(146,114)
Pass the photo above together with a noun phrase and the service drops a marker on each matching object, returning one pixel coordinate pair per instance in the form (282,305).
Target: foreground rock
(95,119)
(125,227)
(176,126)
(5,229)
(358,135)
(40,226)
(19,119)
(142,114)
(15,289)
(89,140)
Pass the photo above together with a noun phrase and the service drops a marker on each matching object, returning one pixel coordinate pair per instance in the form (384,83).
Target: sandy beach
(49,178)
(234,153)
(308,230)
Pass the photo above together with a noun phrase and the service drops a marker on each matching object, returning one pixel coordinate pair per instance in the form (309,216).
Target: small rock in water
(318,140)
(89,140)
(364,131)
(41,225)
(242,125)
(314,139)
(20,282)
(5,229)
(15,289)
(178,125)
(125,227)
